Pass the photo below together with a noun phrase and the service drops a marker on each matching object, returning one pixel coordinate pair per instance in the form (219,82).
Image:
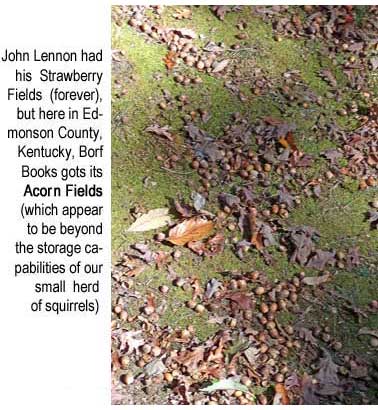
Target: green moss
(138,180)
(341,219)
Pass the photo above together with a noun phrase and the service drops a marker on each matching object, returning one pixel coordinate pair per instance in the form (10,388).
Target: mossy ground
(139,181)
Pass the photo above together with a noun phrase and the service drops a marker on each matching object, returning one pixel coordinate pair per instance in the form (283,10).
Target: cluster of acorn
(180,45)
(273,341)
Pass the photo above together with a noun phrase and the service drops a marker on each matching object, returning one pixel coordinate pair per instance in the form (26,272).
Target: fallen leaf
(155,367)
(220,11)
(358,371)
(170,60)
(316,280)
(211,287)
(220,66)
(353,258)
(225,384)
(240,300)
(191,359)
(135,271)
(367,331)
(185,32)
(306,335)
(184,13)
(252,354)
(288,141)
(215,245)
(156,218)
(161,131)
(193,229)
(129,339)
(198,247)
(329,384)
(280,396)
(308,389)
(198,201)
(321,259)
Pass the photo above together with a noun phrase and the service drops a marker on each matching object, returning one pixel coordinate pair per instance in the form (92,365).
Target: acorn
(362,185)
(242,284)
(200,65)
(271,325)
(128,378)
(293,297)
(179,282)
(371,181)
(275,209)
(156,351)
(146,28)
(289,329)
(168,377)
(191,304)
(185,333)
(260,290)
(284,294)
(233,284)
(164,289)
(140,362)
(118,309)
(264,348)
(199,308)
(263,320)
(124,362)
(274,333)
(148,310)
(264,308)
(374,342)
(374,304)
(279,378)
(262,399)
(297,344)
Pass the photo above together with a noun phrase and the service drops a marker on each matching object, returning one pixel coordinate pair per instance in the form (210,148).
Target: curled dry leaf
(161,131)
(156,218)
(193,229)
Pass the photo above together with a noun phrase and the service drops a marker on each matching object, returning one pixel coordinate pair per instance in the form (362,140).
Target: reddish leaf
(240,300)
(280,396)
(170,60)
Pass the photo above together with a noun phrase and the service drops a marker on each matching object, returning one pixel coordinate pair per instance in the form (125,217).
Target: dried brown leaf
(193,229)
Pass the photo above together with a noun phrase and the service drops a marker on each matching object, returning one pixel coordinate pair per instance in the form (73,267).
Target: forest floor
(251,135)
